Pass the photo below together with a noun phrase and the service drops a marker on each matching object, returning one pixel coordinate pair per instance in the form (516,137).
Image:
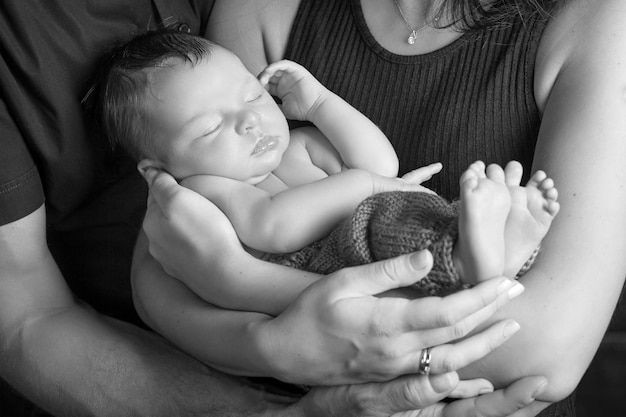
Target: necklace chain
(413,36)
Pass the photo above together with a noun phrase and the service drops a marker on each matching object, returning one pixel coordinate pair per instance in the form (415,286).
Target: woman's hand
(338,331)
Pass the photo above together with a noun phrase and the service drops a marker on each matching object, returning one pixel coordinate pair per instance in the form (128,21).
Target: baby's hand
(422,174)
(296,87)
(410,181)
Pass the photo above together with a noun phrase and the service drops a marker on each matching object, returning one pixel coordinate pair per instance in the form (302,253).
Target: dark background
(602,392)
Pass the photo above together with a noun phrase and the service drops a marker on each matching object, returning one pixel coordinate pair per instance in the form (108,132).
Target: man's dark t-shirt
(94,197)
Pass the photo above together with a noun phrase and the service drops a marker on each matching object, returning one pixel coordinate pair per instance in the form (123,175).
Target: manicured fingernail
(516,290)
(510,329)
(485,391)
(420,260)
(505,285)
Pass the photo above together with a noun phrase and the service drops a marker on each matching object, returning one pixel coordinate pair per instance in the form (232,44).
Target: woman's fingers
(460,312)
(402,355)
(454,356)
(394,330)
(378,277)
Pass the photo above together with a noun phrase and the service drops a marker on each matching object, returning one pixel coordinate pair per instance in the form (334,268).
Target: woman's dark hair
(117,99)
(468,15)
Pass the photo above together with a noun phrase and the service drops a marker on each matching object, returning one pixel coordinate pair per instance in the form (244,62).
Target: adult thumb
(163,187)
(381,276)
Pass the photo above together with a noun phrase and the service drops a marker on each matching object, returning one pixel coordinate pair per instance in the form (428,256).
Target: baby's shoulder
(309,157)
(310,142)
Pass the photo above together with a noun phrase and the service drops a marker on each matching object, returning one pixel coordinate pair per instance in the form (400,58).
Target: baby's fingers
(277,69)
(423,174)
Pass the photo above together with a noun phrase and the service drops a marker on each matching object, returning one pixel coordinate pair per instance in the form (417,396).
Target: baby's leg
(484,207)
(532,209)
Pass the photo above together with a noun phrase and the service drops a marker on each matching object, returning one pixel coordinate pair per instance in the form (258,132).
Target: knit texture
(384,226)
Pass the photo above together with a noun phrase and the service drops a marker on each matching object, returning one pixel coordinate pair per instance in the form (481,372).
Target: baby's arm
(360,143)
(298,216)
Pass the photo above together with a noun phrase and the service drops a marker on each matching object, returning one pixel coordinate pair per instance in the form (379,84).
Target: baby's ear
(145,164)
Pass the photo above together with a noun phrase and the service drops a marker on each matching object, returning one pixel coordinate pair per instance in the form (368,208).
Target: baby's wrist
(313,115)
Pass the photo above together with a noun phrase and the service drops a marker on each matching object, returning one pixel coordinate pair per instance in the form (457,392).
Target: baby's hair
(124,80)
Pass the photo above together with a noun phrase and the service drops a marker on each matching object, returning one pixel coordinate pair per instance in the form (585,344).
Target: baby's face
(215,118)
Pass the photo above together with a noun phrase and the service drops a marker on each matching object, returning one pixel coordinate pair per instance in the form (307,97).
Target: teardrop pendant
(412,37)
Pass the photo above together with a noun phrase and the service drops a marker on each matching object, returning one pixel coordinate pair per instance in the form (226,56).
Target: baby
(180,103)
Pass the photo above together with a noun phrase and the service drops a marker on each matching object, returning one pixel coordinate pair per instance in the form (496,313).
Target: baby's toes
(546,184)
(513,172)
(537,179)
(552,208)
(478,168)
(469,182)
(551,194)
(495,173)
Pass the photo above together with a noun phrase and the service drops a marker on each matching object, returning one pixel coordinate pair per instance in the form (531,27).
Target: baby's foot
(532,209)
(484,207)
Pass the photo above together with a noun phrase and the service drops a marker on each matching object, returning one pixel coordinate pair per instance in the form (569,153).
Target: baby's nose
(248,120)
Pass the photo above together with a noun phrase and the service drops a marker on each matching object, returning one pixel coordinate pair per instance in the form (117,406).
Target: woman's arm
(336,331)
(574,286)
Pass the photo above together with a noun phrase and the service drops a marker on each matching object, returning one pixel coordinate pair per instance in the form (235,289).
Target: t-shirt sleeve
(21,191)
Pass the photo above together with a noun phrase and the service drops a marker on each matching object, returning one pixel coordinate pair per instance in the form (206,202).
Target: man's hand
(420,396)
(174,223)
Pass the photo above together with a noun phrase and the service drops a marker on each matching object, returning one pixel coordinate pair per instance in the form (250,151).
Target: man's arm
(70,360)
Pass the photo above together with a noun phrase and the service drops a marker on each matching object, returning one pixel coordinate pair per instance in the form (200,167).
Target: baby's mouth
(265,143)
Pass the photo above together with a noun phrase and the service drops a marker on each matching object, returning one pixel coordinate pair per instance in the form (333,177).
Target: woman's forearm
(573,288)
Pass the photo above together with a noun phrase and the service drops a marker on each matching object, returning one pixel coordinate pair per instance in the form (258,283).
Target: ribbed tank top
(472,99)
